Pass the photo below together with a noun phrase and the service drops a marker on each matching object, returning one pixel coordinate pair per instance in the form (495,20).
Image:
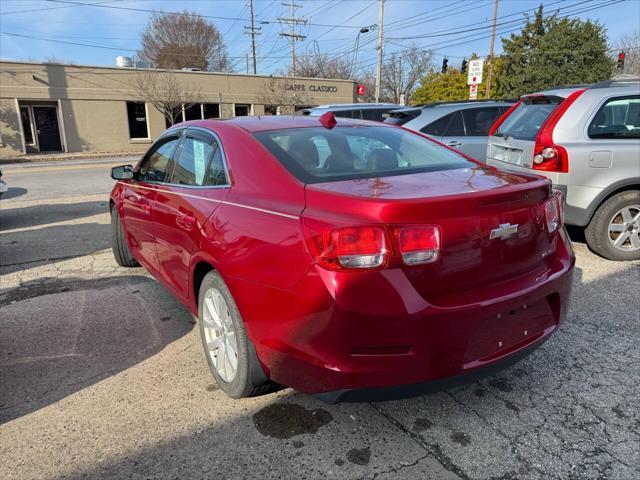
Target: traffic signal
(445,63)
(621,56)
(463,67)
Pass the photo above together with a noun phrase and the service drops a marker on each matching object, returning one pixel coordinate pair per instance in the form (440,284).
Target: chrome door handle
(453,144)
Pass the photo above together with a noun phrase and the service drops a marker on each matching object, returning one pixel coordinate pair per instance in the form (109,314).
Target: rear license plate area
(521,324)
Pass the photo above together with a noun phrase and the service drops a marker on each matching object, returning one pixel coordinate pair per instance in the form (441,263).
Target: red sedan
(349,260)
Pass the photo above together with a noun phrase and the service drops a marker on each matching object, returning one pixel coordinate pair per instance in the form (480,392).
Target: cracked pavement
(102,376)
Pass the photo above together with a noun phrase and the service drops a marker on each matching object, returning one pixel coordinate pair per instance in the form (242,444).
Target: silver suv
(461,125)
(586,140)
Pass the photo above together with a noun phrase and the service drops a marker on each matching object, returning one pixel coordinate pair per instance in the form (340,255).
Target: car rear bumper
(397,392)
(344,336)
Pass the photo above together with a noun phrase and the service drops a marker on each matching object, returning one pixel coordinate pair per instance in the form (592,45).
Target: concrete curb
(54,157)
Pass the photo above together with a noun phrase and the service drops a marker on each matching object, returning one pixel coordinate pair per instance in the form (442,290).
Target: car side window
(347,113)
(438,127)
(478,121)
(216,174)
(456,127)
(156,163)
(619,117)
(374,114)
(190,167)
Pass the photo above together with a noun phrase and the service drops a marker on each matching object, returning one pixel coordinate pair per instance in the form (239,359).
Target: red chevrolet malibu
(349,260)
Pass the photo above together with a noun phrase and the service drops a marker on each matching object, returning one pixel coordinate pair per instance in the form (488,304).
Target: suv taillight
(547,155)
(368,247)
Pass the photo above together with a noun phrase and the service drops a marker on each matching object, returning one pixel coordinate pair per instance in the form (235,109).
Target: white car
(3,185)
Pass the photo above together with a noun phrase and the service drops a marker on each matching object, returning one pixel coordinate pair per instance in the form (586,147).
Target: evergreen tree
(553,51)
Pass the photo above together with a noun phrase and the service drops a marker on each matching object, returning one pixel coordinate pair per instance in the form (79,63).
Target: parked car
(586,140)
(415,271)
(461,125)
(360,111)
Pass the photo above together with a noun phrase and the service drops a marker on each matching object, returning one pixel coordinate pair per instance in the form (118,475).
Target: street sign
(360,89)
(474,74)
(473,91)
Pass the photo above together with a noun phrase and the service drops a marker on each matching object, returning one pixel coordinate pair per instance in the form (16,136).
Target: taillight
(548,156)
(418,244)
(553,211)
(346,247)
(362,247)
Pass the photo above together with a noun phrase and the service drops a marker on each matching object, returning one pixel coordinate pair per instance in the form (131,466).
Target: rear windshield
(402,117)
(318,154)
(525,121)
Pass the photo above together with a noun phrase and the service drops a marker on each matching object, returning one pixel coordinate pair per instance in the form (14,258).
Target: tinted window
(191,165)
(438,127)
(216,174)
(456,127)
(137,116)
(357,152)
(526,120)
(26,125)
(211,110)
(347,114)
(618,118)
(400,118)
(478,121)
(373,114)
(154,167)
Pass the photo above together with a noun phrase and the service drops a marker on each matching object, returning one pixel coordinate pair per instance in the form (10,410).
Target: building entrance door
(48,131)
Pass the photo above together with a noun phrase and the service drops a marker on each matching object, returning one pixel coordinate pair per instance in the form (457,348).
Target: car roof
(276,122)
(619,81)
(351,106)
(458,105)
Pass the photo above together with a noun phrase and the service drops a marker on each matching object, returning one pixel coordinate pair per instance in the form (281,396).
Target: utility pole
(490,59)
(293,36)
(253,31)
(379,64)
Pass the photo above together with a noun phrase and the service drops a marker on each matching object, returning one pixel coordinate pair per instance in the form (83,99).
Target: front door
(139,195)
(197,184)
(46,119)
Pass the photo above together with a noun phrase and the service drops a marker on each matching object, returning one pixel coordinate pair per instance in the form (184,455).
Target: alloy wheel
(624,228)
(220,335)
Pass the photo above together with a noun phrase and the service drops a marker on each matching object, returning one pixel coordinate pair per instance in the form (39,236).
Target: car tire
(600,235)
(249,378)
(121,251)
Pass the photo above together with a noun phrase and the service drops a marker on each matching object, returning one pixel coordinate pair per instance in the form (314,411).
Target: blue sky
(451,28)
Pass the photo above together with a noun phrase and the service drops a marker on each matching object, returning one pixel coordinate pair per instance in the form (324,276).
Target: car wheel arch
(613,189)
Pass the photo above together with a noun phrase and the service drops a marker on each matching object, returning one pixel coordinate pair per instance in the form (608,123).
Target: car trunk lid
(467,204)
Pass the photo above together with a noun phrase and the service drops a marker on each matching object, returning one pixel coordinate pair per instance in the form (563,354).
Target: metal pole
(379,64)
(253,39)
(490,59)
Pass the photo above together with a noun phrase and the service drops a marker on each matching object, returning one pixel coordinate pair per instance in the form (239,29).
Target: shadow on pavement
(24,217)
(58,336)
(13,192)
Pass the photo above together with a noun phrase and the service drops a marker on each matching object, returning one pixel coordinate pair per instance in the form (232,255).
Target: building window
(25,116)
(194,112)
(211,110)
(137,115)
(241,110)
(271,110)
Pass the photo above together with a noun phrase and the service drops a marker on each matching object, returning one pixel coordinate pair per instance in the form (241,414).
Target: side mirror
(123,172)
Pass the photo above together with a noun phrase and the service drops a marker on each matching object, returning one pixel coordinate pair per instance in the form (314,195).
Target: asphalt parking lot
(102,376)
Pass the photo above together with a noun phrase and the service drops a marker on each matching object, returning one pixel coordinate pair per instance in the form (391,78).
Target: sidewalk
(58,157)
(55,160)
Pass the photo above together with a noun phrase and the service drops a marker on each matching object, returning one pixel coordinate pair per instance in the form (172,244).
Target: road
(102,376)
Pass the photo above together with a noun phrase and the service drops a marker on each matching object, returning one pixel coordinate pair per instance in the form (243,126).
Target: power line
(293,22)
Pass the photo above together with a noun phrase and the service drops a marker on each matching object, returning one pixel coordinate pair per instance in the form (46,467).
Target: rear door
(513,143)
(477,122)
(196,185)
(139,196)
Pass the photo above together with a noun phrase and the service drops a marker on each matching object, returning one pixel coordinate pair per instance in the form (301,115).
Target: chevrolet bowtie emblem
(504,231)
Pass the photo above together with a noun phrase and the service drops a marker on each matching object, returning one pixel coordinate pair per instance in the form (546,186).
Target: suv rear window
(525,121)
(356,153)
(618,118)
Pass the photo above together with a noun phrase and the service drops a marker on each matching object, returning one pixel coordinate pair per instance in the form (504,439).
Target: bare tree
(183,40)
(630,45)
(320,65)
(401,73)
(164,91)
(285,94)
